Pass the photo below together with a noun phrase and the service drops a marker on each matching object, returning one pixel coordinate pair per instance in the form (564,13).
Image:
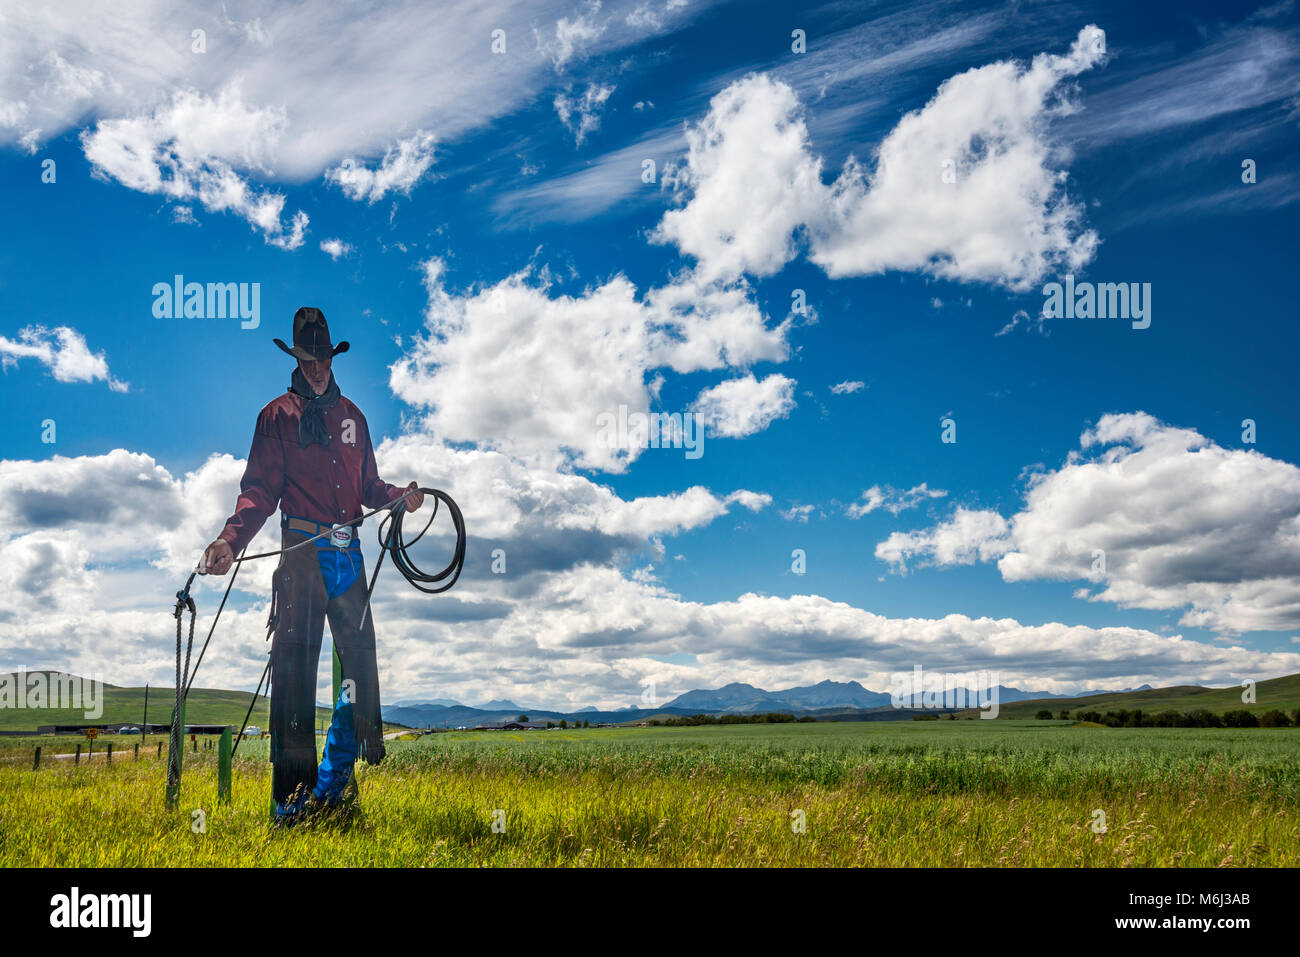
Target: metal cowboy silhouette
(312,456)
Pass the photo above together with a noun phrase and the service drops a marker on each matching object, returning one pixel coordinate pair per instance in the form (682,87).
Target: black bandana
(311,426)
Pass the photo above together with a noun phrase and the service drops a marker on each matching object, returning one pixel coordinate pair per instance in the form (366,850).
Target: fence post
(77,759)
(160,749)
(108,757)
(223,767)
(137,751)
(36,764)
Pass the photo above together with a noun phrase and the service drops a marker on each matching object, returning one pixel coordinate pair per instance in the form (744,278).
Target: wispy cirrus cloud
(611,179)
(169,112)
(892,500)
(1241,68)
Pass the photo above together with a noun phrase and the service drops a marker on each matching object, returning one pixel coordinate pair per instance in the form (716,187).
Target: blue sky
(505,274)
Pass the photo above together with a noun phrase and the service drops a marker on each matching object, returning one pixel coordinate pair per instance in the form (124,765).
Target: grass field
(1280,693)
(924,793)
(204,706)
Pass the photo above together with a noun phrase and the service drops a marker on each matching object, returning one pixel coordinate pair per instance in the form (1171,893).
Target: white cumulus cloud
(581,114)
(738,407)
(335,248)
(966,188)
(189,149)
(1152,516)
(513,366)
(400,169)
(63,351)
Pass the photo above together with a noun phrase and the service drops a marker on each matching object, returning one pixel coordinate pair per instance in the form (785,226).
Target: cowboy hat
(311,336)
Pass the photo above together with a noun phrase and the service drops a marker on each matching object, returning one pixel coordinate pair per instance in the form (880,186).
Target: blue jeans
(340,753)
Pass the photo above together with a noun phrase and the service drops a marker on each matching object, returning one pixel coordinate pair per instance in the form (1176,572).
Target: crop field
(935,793)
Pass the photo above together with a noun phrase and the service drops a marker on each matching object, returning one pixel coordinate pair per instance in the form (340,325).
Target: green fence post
(223,766)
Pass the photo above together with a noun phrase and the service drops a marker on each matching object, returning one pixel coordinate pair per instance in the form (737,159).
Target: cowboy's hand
(217,558)
(414,501)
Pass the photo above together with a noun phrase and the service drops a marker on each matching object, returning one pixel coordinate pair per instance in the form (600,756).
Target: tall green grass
(931,794)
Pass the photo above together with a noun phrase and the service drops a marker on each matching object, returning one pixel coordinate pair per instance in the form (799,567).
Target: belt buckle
(341,536)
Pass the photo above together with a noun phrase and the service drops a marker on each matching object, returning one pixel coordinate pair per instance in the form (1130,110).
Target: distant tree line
(773,717)
(1200,718)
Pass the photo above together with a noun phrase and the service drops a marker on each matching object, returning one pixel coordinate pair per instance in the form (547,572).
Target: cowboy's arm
(259,494)
(375,492)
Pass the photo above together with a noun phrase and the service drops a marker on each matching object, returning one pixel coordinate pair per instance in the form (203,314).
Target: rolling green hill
(205,706)
(1282,693)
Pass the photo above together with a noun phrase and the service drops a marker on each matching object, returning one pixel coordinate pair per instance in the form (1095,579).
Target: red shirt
(327,484)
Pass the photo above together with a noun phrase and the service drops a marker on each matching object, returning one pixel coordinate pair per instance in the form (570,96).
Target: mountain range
(825,697)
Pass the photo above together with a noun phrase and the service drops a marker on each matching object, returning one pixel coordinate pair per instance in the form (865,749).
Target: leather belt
(340,535)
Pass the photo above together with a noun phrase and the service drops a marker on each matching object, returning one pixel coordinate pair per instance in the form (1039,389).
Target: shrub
(1240,718)
(1044,715)
(1171,719)
(1274,719)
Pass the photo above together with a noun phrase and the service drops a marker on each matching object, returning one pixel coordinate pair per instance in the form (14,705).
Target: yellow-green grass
(927,794)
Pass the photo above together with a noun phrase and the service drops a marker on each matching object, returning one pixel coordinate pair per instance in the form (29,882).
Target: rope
(204,650)
(391,541)
(183,601)
(249,713)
